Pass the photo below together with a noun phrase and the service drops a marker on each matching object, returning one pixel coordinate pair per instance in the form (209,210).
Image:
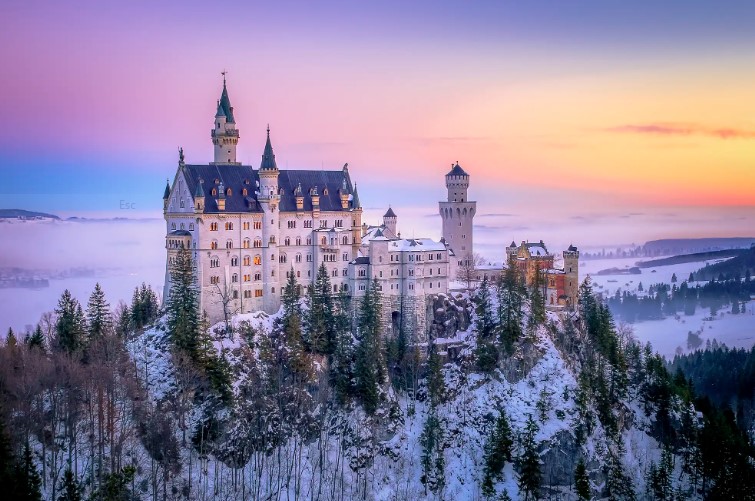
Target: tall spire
(224,104)
(268,157)
(355,199)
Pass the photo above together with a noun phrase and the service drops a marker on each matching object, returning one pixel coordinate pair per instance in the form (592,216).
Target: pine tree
(484,310)
(98,314)
(37,339)
(320,320)
(498,451)
(10,338)
(183,304)
(436,385)
(529,462)
(7,458)
(433,460)
(510,301)
(582,482)
(537,300)
(640,288)
(691,277)
(369,366)
(673,278)
(70,327)
(27,480)
(71,490)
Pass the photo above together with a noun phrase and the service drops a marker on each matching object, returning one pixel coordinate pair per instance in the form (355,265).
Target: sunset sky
(563,108)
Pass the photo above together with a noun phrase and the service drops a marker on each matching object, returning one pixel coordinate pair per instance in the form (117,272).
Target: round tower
(457,213)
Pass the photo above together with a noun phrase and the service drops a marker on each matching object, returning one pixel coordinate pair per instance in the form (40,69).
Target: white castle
(249,228)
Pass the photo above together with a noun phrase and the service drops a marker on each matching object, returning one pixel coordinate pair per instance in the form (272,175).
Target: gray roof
(456,170)
(179,233)
(238,177)
(166,194)
(225,106)
(390,213)
(268,157)
(361,260)
(355,200)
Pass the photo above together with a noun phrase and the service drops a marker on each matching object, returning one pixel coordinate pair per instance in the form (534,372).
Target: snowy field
(669,336)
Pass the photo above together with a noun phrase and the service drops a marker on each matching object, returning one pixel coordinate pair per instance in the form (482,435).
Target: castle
(248,229)
(560,286)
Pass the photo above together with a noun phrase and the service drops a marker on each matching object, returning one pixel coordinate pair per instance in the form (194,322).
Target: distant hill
(691,258)
(25,214)
(737,266)
(673,246)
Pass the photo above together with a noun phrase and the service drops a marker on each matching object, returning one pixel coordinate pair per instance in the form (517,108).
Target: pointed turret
(268,157)
(355,204)
(389,221)
(224,134)
(199,197)
(166,194)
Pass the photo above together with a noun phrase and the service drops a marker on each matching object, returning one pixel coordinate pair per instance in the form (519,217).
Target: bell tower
(457,213)
(224,134)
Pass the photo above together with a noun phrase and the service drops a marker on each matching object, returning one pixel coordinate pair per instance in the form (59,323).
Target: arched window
(234,278)
(247,260)
(247,243)
(257,260)
(345,240)
(191,228)
(323,240)
(258,242)
(234,261)
(173,226)
(214,244)
(298,258)
(298,242)
(214,192)
(287,241)
(244,192)
(229,244)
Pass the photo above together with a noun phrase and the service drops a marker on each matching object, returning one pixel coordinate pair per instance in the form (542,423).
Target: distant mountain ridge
(672,246)
(25,214)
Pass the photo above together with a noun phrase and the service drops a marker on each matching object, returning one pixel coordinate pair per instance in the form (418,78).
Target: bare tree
(224,295)
(467,271)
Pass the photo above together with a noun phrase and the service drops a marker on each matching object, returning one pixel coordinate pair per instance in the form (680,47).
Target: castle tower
(457,214)
(269,199)
(571,272)
(224,134)
(389,221)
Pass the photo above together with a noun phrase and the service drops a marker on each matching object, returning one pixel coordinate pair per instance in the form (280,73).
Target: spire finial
(224,72)
(268,131)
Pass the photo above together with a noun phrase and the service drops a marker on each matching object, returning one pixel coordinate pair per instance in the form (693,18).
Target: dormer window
(325,191)
(214,192)
(228,192)
(244,192)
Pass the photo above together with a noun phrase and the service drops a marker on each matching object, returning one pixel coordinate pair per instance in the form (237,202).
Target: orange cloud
(670,129)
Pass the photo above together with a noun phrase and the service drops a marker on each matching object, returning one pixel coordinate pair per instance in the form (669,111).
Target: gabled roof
(456,170)
(390,213)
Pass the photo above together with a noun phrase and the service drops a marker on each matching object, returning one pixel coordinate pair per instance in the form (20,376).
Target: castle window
(214,244)
(247,243)
(287,241)
(214,280)
(213,226)
(228,226)
(298,240)
(214,262)
(438,271)
(380,259)
(308,223)
(323,240)
(298,258)
(282,258)
(247,261)
(247,294)
(309,258)
(345,256)
(182,203)
(229,244)
(346,287)
(272,289)
(234,261)
(291,224)
(324,223)
(214,192)
(298,274)
(257,277)
(258,293)
(309,240)
(339,223)
(381,274)
(191,228)
(173,226)
(345,240)
(258,242)
(244,192)
(245,225)
(345,272)
(335,273)
(258,260)
(258,225)
(234,278)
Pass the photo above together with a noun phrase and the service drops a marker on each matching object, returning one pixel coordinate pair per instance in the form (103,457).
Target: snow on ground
(670,334)
(608,284)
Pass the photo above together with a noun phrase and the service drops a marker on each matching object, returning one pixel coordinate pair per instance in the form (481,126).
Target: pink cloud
(671,129)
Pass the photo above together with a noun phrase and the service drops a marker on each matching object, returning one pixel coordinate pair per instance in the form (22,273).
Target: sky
(604,110)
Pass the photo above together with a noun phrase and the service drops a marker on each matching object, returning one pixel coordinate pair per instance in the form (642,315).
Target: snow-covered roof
(416,245)
(537,250)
